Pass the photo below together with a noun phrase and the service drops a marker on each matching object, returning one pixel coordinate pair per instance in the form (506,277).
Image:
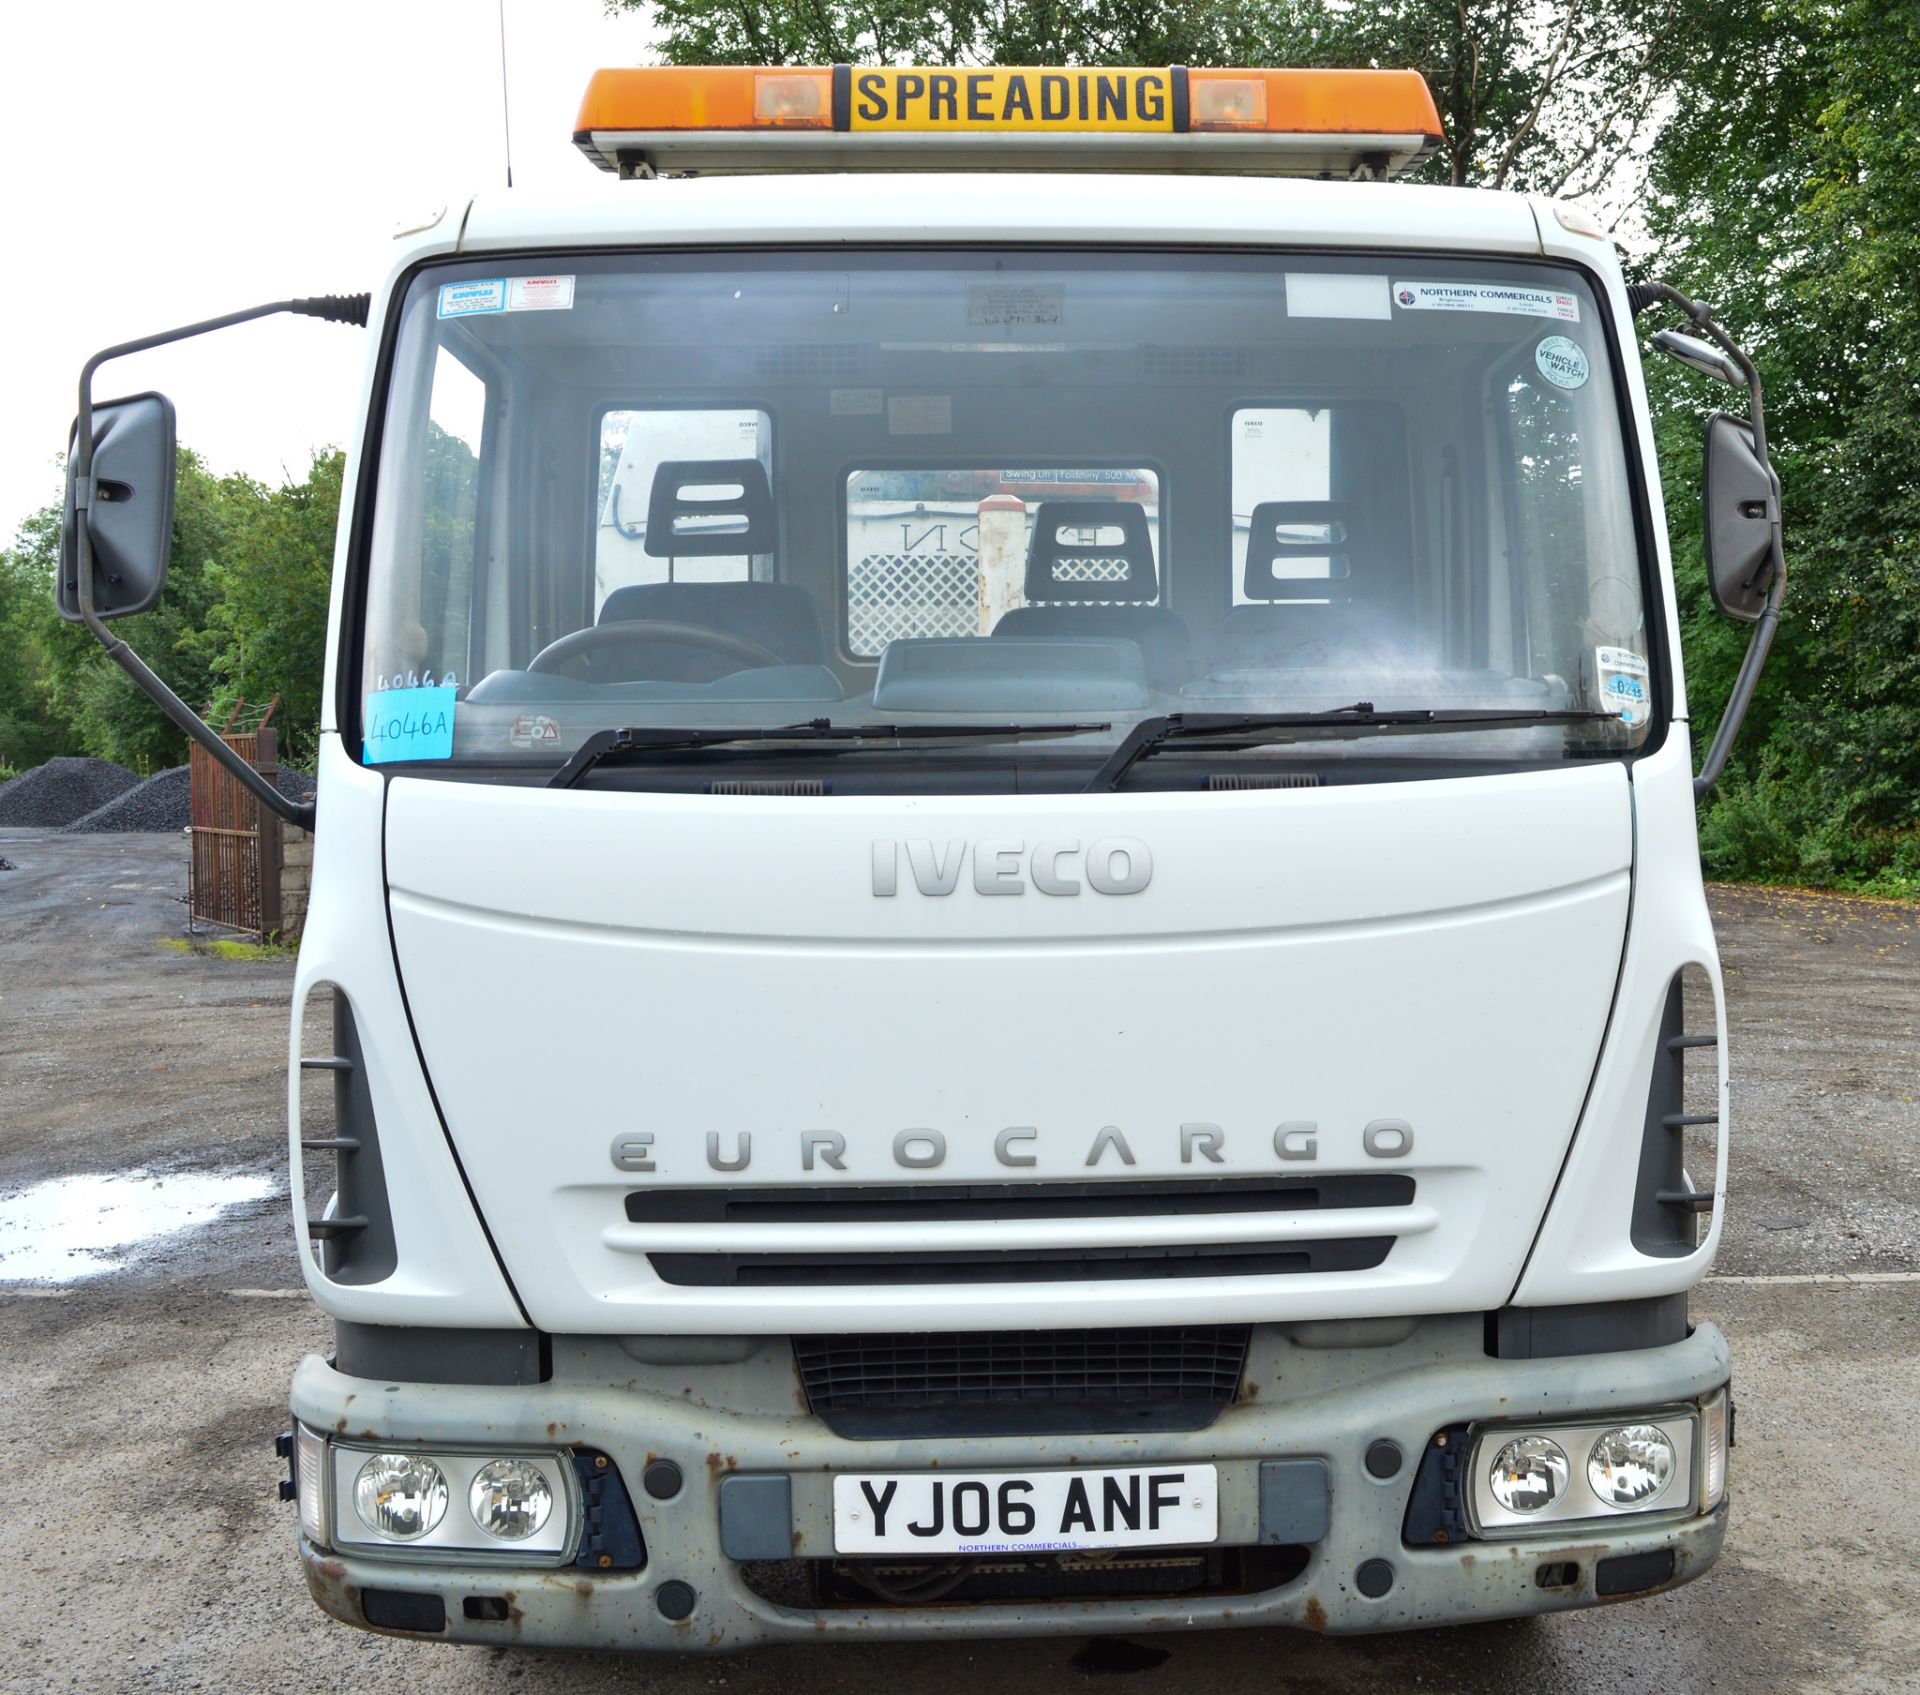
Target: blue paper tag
(409,724)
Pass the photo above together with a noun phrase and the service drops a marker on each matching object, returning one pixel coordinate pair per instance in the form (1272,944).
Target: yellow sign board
(1012,99)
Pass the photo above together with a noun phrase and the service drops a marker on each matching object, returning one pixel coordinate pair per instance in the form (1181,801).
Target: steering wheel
(748,655)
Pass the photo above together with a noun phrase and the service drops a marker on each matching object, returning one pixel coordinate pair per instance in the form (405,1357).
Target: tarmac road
(143,1549)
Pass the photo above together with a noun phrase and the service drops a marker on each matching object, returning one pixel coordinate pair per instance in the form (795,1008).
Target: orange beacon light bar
(660,120)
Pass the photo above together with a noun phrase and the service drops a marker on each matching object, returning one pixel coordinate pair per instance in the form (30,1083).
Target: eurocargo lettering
(1011,920)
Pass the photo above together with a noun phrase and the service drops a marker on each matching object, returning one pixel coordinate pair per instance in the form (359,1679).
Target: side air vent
(1264,780)
(767,786)
(1681,1103)
(356,1238)
(1202,362)
(998,1383)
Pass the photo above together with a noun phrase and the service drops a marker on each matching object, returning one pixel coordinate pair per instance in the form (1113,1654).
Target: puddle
(73,1228)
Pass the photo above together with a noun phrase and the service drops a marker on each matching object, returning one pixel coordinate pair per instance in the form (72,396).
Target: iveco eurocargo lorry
(1006,929)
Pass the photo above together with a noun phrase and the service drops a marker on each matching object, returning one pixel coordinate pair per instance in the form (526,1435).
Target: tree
(244,614)
(1554,97)
(1785,194)
(266,632)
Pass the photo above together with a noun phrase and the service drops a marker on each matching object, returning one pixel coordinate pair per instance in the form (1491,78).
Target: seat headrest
(703,507)
(1300,529)
(1116,566)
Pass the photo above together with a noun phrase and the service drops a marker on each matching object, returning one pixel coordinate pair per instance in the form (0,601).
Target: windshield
(980,488)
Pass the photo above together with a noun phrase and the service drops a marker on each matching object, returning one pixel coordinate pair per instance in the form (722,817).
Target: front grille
(1021,1382)
(1108,1574)
(851,1267)
(880,1203)
(1017,1265)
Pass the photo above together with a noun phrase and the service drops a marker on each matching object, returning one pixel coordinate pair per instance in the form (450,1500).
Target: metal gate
(233,879)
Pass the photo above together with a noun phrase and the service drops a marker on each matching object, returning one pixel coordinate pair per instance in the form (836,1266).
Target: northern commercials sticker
(1487,297)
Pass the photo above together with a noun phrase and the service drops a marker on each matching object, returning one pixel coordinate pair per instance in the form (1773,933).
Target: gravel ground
(144,1549)
(60,791)
(164,802)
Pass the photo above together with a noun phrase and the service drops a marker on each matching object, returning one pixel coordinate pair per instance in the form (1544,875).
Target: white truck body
(564,996)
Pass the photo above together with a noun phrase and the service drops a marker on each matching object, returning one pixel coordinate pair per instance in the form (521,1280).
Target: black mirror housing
(1741,507)
(130,519)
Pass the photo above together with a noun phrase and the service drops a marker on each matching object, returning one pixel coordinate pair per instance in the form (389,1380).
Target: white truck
(1006,884)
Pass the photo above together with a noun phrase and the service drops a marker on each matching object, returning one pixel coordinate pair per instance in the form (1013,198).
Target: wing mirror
(1741,505)
(130,517)
(1703,356)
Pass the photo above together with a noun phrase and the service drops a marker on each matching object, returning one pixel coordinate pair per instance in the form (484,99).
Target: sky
(164,163)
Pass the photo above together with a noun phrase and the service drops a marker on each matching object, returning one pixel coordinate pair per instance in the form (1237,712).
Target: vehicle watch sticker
(1486,297)
(409,724)
(540,294)
(1330,294)
(1622,677)
(1562,362)
(464,299)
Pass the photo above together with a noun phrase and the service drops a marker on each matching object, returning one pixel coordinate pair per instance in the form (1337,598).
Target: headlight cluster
(1672,1461)
(521,1507)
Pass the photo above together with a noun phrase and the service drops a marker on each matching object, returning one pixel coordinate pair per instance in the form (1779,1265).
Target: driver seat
(705,508)
(781,617)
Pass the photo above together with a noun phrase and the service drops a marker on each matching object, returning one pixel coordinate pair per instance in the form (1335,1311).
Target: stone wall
(296,881)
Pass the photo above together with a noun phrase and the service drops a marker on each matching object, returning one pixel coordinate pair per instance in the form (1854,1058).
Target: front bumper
(1404,1393)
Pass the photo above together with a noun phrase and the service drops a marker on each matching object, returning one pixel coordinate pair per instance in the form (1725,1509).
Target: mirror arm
(340,308)
(1641,296)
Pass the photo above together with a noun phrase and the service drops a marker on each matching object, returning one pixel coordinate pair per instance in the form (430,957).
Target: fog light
(1528,1475)
(1630,1466)
(510,1499)
(401,1497)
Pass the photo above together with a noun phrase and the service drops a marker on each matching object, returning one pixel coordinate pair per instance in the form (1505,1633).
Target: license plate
(934,1512)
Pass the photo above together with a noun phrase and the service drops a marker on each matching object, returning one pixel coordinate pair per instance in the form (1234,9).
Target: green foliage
(1550,97)
(1784,193)
(244,614)
(267,630)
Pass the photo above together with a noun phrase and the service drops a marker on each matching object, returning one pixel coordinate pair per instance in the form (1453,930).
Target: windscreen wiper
(1151,734)
(605,747)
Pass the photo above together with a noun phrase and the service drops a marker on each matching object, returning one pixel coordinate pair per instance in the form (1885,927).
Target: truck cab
(1006,928)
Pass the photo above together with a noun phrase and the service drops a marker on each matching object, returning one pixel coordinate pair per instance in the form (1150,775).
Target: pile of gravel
(164,802)
(160,803)
(60,791)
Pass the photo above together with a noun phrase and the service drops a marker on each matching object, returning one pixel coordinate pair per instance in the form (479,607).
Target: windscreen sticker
(464,299)
(1562,362)
(1332,294)
(856,402)
(1020,304)
(1487,297)
(1622,676)
(919,415)
(535,731)
(409,724)
(540,294)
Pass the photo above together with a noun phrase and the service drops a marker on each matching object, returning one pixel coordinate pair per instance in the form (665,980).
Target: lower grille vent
(1001,1383)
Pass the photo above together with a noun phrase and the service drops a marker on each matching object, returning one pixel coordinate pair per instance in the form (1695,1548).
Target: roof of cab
(886,208)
